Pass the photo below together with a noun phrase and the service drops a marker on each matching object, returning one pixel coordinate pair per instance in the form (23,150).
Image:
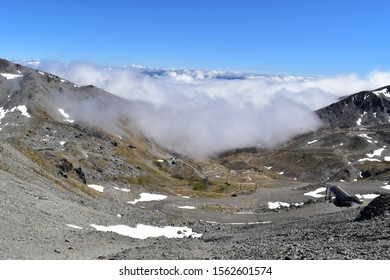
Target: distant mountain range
(195,74)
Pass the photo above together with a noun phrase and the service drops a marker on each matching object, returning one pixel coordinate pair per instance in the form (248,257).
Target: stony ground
(330,236)
(34,225)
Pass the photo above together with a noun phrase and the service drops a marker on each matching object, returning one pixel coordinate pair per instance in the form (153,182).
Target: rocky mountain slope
(360,109)
(71,174)
(88,128)
(352,145)
(50,120)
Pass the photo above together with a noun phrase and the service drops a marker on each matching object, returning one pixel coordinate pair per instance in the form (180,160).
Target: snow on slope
(10,76)
(144,231)
(21,108)
(148,197)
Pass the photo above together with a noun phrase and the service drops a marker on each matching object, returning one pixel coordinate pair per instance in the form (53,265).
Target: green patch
(34,156)
(220,188)
(199,184)
(178,177)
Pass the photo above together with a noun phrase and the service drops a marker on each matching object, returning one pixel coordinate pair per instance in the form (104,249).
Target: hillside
(352,145)
(87,127)
(360,109)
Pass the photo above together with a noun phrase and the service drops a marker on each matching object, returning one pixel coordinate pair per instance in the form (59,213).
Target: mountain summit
(360,109)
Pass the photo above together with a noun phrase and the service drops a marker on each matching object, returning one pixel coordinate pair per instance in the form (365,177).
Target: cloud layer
(200,113)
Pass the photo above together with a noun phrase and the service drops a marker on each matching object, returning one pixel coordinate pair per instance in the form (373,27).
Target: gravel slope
(330,236)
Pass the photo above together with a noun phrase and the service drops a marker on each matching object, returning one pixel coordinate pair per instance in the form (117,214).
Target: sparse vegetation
(199,184)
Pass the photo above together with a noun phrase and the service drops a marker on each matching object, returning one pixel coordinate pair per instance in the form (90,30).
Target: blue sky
(276,37)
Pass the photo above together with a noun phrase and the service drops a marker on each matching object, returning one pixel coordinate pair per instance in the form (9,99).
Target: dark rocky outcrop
(79,171)
(363,108)
(65,167)
(379,207)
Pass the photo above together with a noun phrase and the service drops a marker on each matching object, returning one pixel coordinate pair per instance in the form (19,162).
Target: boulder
(378,207)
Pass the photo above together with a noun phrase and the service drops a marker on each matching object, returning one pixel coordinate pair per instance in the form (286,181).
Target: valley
(80,186)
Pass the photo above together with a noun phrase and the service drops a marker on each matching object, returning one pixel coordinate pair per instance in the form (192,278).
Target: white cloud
(200,113)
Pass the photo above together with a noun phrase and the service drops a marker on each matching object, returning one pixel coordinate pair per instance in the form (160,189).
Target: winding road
(245,204)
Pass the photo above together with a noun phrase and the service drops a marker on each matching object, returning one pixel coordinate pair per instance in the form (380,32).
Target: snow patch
(387,158)
(377,152)
(386,187)
(364,135)
(277,205)
(359,121)
(268,167)
(123,189)
(144,231)
(187,207)
(312,142)
(96,187)
(62,112)
(250,223)
(367,196)
(10,76)
(316,192)
(369,159)
(73,226)
(21,108)
(383,92)
(3,113)
(148,197)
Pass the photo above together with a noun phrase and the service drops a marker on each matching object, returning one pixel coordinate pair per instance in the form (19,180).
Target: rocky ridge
(360,109)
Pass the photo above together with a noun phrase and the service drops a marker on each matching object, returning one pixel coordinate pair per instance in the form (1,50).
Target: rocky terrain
(82,185)
(332,236)
(360,109)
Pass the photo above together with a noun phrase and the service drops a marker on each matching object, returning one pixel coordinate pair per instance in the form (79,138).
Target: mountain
(352,145)
(52,120)
(79,181)
(360,109)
